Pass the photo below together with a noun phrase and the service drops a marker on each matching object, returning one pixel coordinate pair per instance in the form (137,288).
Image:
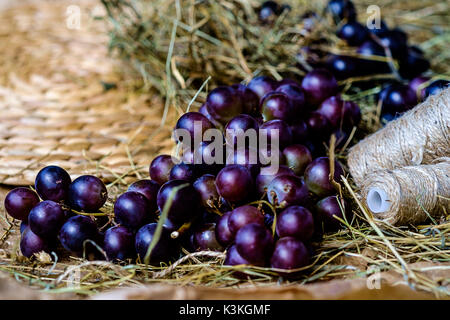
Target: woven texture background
(54,107)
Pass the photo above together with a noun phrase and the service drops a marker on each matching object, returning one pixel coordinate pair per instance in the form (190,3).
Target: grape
(46,218)
(250,100)
(224,103)
(149,189)
(416,84)
(353,32)
(295,221)
(183,171)
(317,176)
(284,132)
(23,226)
(52,183)
(241,122)
(185,203)
(160,168)
(268,12)
(289,253)
(247,157)
(286,190)
(397,99)
(332,109)
(277,105)
(75,231)
(164,250)
(87,193)
(234,183)
(351,115)
(19,202)
(30,243)
(264,178)
(395,40)
(223,233)
(132,210)
(299,132)
(414,64)
(118,243)
(233,258)
(205,158)
(205,112)
(319,126)
(205,238)
(262,85)
(189,120)
(436,86)
(381,29)
(242,216)
(297,158)
(343,67)
(342,9)
(254,243)
(326,209)
(371,48)
(206,187)
(318,85)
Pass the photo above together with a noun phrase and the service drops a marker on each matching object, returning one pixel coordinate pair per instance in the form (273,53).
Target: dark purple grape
(30,243)
(418,86)
(209,157)
(397,98)
(353,33)
(395,40)
(75,231)
(204,111)
(287,190)
(265,177)
(377,30)
(319,127)
(23,226)
(241,216)
(185,203)
(19,202)
(164,250)
(268,130)
(46,218)
(296,96)
(371,48)
(326,209)
(333,109)
(318,85)
(299,132)
(297,158)
(223,233)
(205,238)
(233,258)
(269,11)
(414,64)
(247,157)
(183,171)
(342,9)
(242,122)
(351,115)
(317,176)
(289,253)
(250,99)
(295,221)
(118,243)
(206,187)
(224,103)
(52,183)
(234,183)
(288,81)
(132,210)
(87,193)
(149,189)
(262,85)
(194,123)
(343,67)
(254,243)
(160,168)
(436,86)
(277,105)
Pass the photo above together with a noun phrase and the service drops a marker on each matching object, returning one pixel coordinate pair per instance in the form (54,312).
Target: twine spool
(418,137)
(408,195)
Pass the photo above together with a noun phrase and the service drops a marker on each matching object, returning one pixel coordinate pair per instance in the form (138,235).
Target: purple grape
(118,243)
(223,233)
(30,243)
(224,103)
(205,238)
(183,171)
(319,127)
(149,189)
(19,202)
(75,231)
(379,30)
(287,190)
(395,40)
(289,253)
(234,183)
(414,64)
(318,85)
(436,86)
(242,216)
(342,9)
(190,120)
(353,33)
(206,187)
(52,183)
(295,221)
(417,85)
(132,210)
(160,168)
(262,85)
(269,12)
(185,203)
(351,115)
(333,109)
(250,100)
(326,209)
(164,250)
(204,111)
(371,48)
(241,122)
(87,193)
(233,258)
(254,243)
(343,67)
(277,105)
(397,99)
(46,218)
(297,158)
(247,157)
(23,226)
(265,177)
(317,176)
(284,132)
(299,132)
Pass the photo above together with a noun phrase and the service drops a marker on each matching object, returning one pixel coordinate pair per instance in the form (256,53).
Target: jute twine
(414,193)
(418,137)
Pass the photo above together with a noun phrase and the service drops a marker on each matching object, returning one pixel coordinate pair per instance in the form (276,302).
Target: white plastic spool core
(378,200)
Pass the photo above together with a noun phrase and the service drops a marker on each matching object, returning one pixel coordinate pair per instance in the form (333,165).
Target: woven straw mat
(54,106)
